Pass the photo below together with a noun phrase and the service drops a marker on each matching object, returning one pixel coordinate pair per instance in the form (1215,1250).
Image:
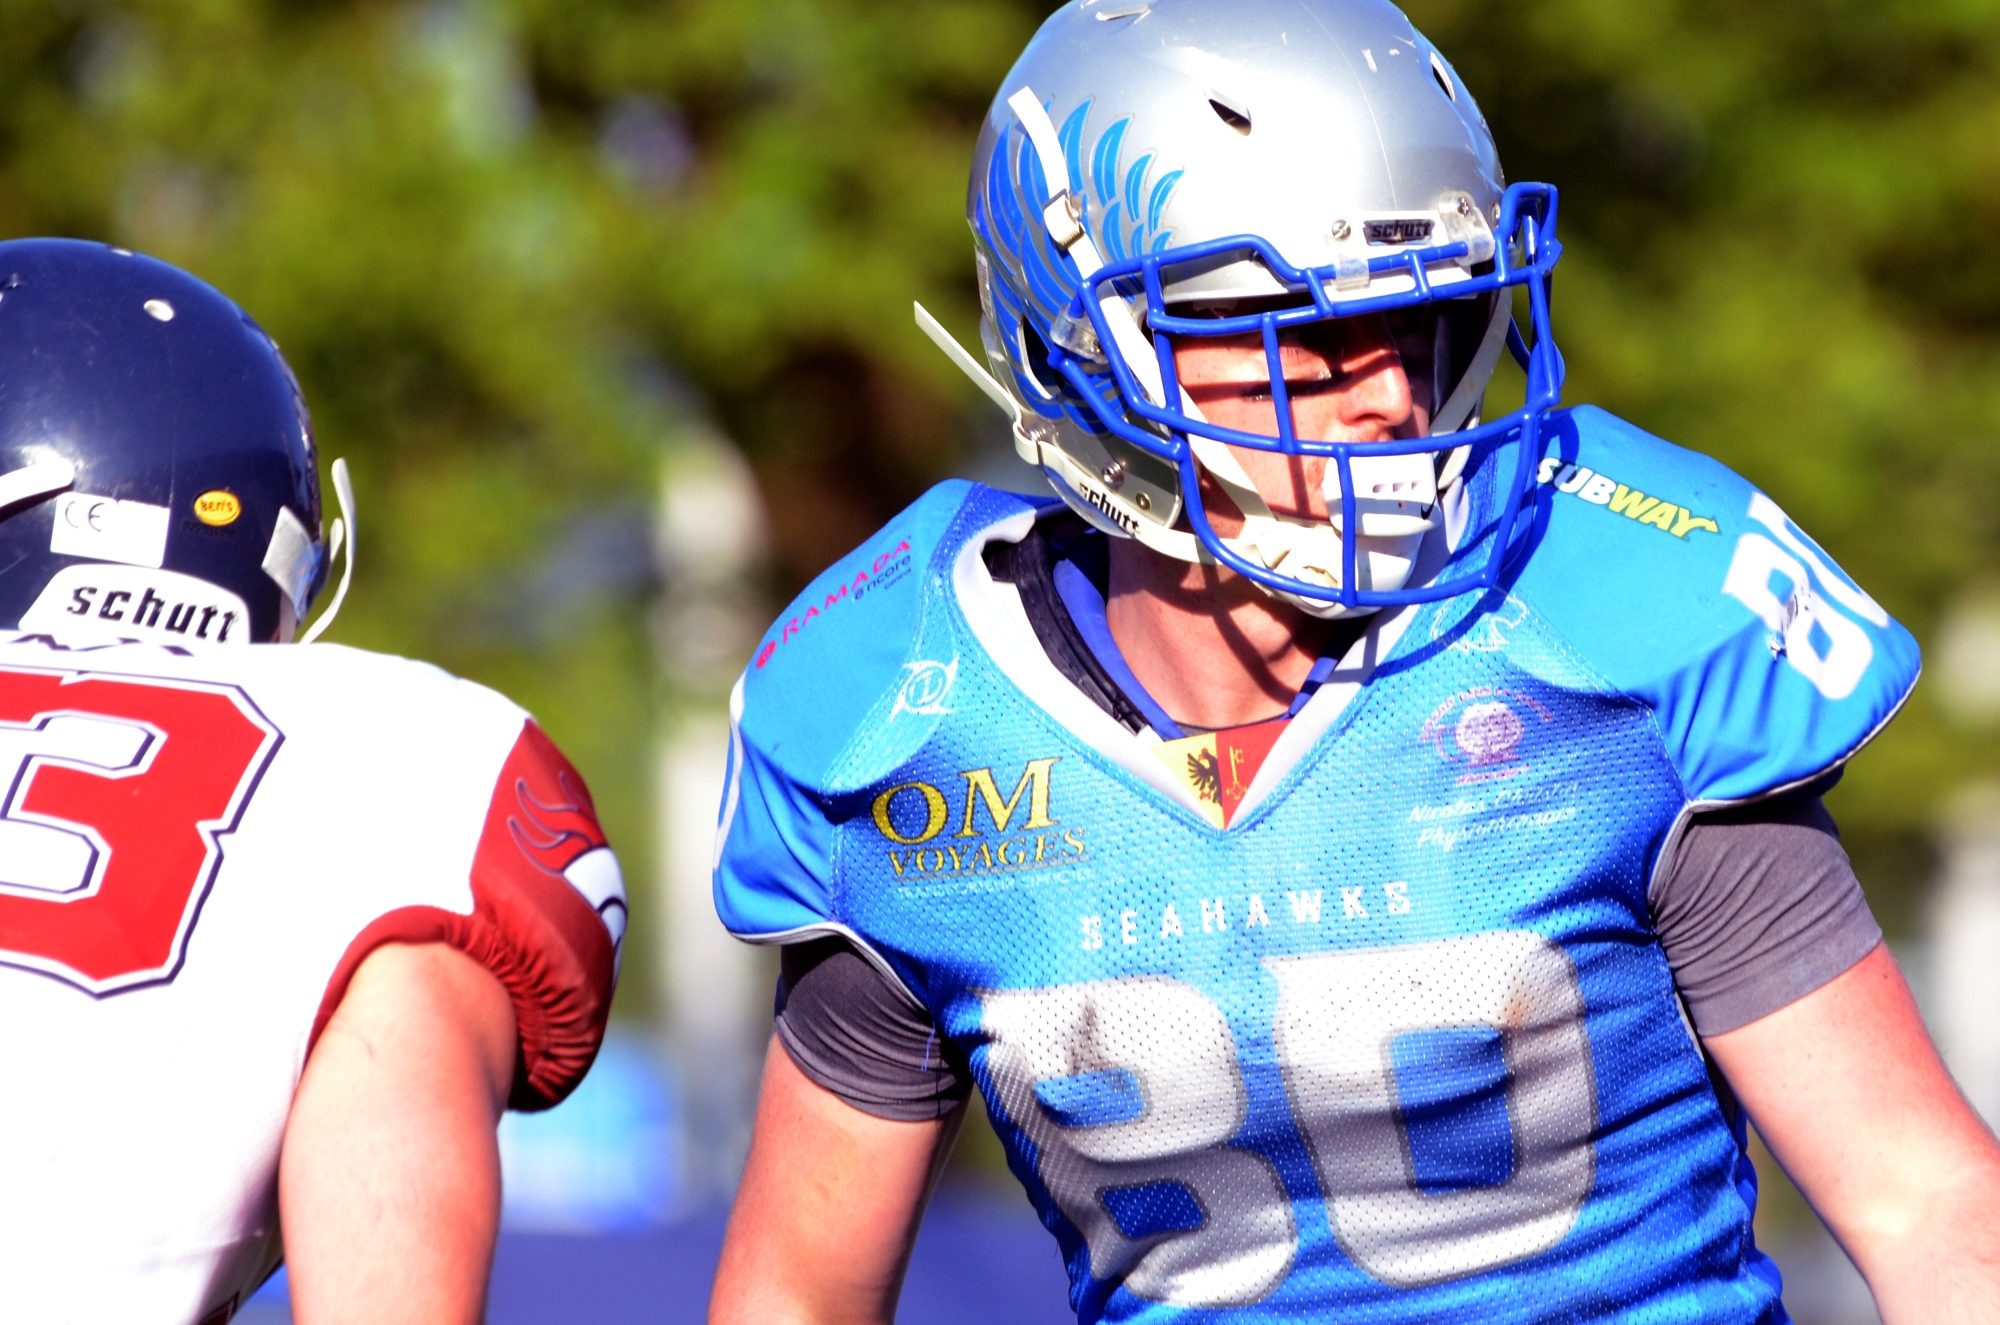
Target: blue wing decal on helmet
(1019,241)
(1135,179)
(1007,222)
(1104,161)
(1048,284)
(1114,243)
(1071,137)
(1161,192)
(1027,171)
(1124,222)
(1121,232)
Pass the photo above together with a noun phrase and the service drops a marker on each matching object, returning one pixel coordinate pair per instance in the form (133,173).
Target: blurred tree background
(1777,218)
(520,250)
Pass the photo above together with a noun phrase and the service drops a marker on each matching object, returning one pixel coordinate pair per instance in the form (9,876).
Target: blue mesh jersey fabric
(1400,1044)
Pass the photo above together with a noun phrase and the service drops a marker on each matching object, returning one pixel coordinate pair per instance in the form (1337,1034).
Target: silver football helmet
(1185,168)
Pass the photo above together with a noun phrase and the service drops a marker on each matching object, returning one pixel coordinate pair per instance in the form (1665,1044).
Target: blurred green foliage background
(518,250)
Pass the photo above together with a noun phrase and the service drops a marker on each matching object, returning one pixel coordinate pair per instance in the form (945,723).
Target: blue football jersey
(1400,1043)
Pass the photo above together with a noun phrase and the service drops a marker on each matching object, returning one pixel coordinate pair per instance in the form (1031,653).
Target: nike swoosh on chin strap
(35,481)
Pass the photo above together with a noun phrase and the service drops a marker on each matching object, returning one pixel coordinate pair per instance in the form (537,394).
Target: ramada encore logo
(930,835)
(888,568)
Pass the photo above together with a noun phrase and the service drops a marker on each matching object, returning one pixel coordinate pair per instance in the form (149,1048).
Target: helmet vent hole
(1443,76)
(1231,112)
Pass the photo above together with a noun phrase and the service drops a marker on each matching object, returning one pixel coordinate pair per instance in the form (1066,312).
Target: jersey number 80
(1131,1092)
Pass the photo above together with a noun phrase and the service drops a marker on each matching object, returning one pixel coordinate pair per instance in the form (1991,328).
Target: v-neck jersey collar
(992,608)
(1083,598)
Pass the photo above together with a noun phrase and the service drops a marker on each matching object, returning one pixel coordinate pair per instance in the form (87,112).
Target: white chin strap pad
(1314,554)
(1393,494)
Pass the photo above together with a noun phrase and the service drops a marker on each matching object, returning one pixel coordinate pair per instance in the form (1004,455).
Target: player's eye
(1296,387)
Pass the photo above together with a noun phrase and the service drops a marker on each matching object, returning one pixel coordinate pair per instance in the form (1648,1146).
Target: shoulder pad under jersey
(1684,587)
(547,900)
(844,687)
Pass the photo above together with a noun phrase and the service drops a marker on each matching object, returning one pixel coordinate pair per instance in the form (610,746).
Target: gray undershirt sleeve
(1758,907)
(853,1030)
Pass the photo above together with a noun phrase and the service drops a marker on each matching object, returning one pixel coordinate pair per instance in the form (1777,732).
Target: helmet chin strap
(341,532)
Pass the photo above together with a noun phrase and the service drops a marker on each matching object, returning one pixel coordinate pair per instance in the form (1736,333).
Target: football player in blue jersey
(1367,856)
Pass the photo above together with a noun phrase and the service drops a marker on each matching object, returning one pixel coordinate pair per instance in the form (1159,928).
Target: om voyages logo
(932,833)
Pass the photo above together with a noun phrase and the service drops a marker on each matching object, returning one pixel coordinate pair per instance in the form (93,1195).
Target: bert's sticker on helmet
(217,507)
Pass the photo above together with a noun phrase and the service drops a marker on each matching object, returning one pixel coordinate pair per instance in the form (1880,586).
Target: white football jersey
(197,848)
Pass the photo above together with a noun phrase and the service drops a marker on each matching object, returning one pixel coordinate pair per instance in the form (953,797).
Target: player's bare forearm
(828,1209)
(389,1182)
(1847,1090)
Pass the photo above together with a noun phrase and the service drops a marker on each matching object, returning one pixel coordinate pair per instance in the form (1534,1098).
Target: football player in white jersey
(1368,857)
(283,929)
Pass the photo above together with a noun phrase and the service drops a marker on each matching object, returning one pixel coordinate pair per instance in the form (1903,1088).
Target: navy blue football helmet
(158,478)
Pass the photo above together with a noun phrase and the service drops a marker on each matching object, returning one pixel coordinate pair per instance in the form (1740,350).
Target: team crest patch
(1220,766)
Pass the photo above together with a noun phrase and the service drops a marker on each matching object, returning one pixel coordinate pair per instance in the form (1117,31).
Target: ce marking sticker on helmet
(106,529)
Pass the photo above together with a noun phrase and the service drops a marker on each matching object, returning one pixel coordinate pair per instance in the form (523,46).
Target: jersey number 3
(114,795)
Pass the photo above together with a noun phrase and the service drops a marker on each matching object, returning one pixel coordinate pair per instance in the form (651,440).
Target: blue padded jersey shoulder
(1687,589)
(811,718)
